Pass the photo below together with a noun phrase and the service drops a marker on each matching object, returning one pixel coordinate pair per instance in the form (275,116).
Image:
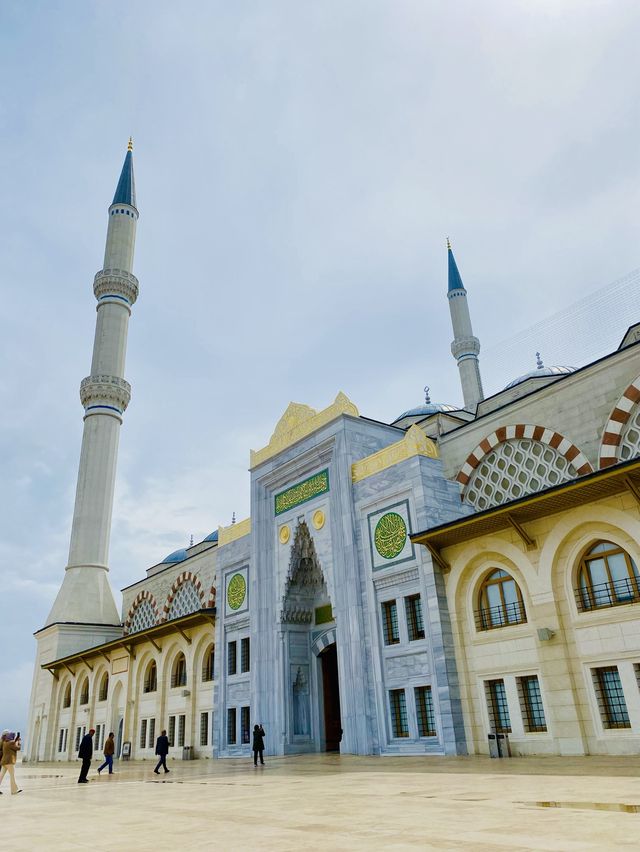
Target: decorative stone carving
(115,282)
(296,615)
(414,443)
(465,346)
(109,391)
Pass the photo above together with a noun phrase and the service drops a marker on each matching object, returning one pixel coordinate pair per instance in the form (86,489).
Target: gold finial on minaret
(448,244)
(130,145)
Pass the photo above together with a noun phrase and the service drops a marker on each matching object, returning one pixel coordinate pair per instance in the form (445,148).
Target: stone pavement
(329,802)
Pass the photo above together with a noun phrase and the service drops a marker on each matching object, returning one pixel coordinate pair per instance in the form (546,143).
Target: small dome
(541,371)
(176,556)
(212,536)
(426,408)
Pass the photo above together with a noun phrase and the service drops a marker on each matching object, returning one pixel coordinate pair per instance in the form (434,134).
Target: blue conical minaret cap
(126,189)
(455,282)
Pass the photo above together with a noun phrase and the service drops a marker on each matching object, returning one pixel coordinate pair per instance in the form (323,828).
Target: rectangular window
(613,707)
(64,742)
(424,711)
(152,733)
(204,729)
(531,704)
(415,624)
(96,739)
(232,658)
(398,703)
(78,736)
(245,729)
(143,733)
(181,721)
(231,725)
(390,623)
(498,707)
(244,655)
(172,731)
(61,739)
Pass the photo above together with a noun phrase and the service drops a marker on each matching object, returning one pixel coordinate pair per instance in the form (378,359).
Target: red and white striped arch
(141,596)
(212,597)
(185,577)
(616,423)
(534,433)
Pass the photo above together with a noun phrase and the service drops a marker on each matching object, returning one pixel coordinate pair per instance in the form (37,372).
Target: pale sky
(298,167)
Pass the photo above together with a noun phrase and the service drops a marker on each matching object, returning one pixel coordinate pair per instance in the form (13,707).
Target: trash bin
(187,752)
(499,745)
(126,750)
(494,750)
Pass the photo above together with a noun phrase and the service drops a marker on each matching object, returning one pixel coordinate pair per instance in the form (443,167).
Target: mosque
(416,587)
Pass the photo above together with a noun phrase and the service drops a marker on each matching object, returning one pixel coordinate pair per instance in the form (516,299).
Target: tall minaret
(465,346)
(85,596)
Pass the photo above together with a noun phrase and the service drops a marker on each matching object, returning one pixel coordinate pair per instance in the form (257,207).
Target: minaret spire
(465,347)
(85,596)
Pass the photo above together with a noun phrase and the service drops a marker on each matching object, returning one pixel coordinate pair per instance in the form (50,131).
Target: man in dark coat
(86,753)
(258,744)
(162,750)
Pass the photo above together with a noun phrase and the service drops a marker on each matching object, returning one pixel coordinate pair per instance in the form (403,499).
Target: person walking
(10,748)
(162,750)
(258,744)
(108,751)
(86,753)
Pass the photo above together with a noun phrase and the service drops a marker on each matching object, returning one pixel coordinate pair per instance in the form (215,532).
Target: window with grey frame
(610,697)
(245,654)
(231,726)
(424,711)
(415,622)
(390,630)
(398,707)
(232,657)
(498,707)
(531,704)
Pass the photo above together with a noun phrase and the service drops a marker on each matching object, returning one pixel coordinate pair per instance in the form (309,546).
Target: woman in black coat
(258,744)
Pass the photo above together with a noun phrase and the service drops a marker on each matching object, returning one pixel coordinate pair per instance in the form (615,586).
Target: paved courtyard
(329,802)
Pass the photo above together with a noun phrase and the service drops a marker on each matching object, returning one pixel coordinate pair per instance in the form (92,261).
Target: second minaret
(465,347)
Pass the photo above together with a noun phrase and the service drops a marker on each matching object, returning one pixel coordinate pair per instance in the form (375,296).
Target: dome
(176,556)
(539,372)
(426,408)
(212,536)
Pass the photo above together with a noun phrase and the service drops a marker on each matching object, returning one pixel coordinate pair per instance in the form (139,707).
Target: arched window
(185,600)
(144,616)
(500,601)
(179,673)
(84,692)
(151,677)
(104,687)
(607,576)
(207,663)
(66,701)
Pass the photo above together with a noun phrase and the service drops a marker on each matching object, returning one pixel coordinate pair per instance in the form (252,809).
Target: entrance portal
(331,698)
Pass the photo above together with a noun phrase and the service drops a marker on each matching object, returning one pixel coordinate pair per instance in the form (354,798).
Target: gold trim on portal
(297,422)
(414,443)
(233,532)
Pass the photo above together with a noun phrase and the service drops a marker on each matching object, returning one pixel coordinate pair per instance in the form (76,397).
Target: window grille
(630,438)
(78,735)
(204,729)
(143,733)
(244,655)
(424,710)
(172,731)
(245,729)
(151,741)
(515,468)
(185,600)
(143,617)
(390,623)
(181,721)
(207,665)
(531,704)
(498,707)
(415,623)
(231,725)
(232,661)
(61,740)
(607,576)
(610,695)
(399,722)
(500,602)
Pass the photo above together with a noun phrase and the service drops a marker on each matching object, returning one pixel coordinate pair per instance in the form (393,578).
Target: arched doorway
(331,698)
(312,700)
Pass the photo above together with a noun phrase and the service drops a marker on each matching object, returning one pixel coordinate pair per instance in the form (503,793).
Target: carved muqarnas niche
(305,581)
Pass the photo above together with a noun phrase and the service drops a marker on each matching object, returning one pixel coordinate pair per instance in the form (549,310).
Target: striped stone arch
(181,579)
(323,641)
(534,433)
(140,597)
(212,598)
(615,425)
